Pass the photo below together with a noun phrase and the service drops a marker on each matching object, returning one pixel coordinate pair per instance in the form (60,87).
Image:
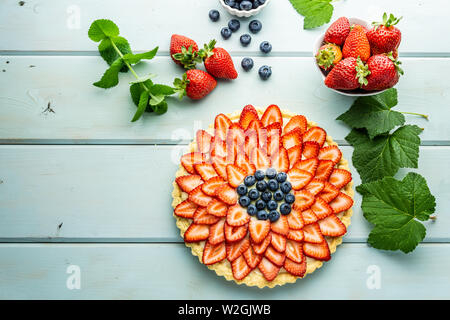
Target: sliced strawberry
(330,153)
(205,170)
(273,138)
(340,178)
(315,186)
(235,175)
(235,141)
(278,242)
(219,149)
(303,200)
(296,122)
(280,160)
(299,178)
(237,216)
(316,134)
(217,208)
(259,229)
(217,232)
(296,235)
(281,226)
(213,253)
(201,216)
(227,194)
(189,159)
(271,115)
(221,125)
(251,142)
(268,269)
(252,258)
(189,182)
(204,140)
(248,114)
(295,155)
(341,203)
(260,159)
(209,186)
(312,233)
(310,149)
(240,268)
(185,209)
(198,197)
(292,138)
(243,162)
(260,248)
(220,165)
(332,226)
(309,217)
(295,220)
(196,233)
(329,192)
(318,251)
(294,268)
(237,248)
(321,209)
(294,251)
(274,256)
(324,169)
(233,234)
(309,165)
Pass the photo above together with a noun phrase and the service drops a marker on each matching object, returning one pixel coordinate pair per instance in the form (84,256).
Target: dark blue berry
(234,25)
(281,177)
(251,210)
(265,72)
(262,1)
(274,216)
(259,175)
(249,181)
(245,39)
(260,204)
(285,209)
(214,15)
(286,187)
(272,205)
(246,5)
(261,185)
(241,190)
(278,195)
(273,185)
(265,47)
(253,194)
(266,196)
(262,215)
(271,173)
(244,201)
(289,198)
(247,64)
(230,3)
(255,26)
(256,4)
(225,32)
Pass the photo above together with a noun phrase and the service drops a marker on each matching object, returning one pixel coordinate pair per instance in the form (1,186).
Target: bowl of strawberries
(356,58)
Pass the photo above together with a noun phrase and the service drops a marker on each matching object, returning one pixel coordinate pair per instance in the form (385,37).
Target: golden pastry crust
(255,277)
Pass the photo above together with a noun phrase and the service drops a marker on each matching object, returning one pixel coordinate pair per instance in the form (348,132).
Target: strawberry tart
(263,197)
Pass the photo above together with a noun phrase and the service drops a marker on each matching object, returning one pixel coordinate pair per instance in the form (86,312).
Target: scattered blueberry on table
(247,64)
(265,47)
(255,26)
(234,25)
(225,32)
(265,72)
(245,39)
(214,15)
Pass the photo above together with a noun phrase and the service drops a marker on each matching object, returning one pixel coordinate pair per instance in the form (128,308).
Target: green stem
(416,114)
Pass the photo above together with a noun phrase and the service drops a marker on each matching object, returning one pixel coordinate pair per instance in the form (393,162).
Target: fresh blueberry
(278,195)
(251,210)
(246,5)
(230,3)
(214,15)
(234,25)
(274,216)
(271,173)
(289,198)
(256,4)
(265,47)
(262,215)
(255,26)
(261,185)
(244,201)
(247,64)
(273,185)
(245,39)
(259,175)
(241,190)
(285,209)
(281,177)
(260,204)
(272,205)
(225,32)
(262,1)
(265,72)
(249,181)
(253,194)
(266,196)
(286,187)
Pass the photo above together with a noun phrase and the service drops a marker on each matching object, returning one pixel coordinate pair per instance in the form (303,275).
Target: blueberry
(271,173)
(244,201)
(255,26)
(214,15)
(225,32)
(230,3)
(247,64)
(286,187)
(246,5)
(245,39)
(273,185)
(259,175)
(274,216)
(265,72)
(251,210)
(278,195)
(241,190)
(285,209)
(256,4)
(265,47)
(234,25)
(253,194)
(260,204)
(281,177)
(249,181)
(261,185)
(262,1)
(266,196)
(262,215)
(272,205)
(289,198)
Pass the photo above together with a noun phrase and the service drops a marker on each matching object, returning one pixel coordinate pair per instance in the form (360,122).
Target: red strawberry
(271,115)
(227,194)
(273,138)
(220,165)
(303,200)
(315,186)
(324,169)
(183,51)
(196,84)
(357,45)
(299,178)
(243,162)
(295,155)
(219,149)
(338,31)
(295,220)
(196,233)
(210,186)
(217,232)
(329,192)
(321,209)
(280,160)
(218,62)
(330,153)
(252,258)
(260,159)
(328,56)
(202,216)
(235,141)
(341,203)
(297,121)
(340,178)
(384,37)
(237,216)
(309,165)
(384,70)
(189,182)
(260,248)
(310,149)
(312,233)
(318,251)
(240,268)
(233,234)
(332,226)
(248,114)
(237,248)
(294,268)
(268,269)
(294,251)
(213,253)
(309,217)
(204,140)
(221,125)
(189,159)
(281,226)
(278,242)
(217,208)
(185,209)
(198,197)
(259,229)
(274,256)
(251,142)
(292,139)
(348,74)
(235,175)
(316,134)
(205,170)
(296,235)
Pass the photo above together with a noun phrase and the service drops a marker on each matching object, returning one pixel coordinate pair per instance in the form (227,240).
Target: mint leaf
(385,154)
(109,53)
(160,108)
(102,29)
(136,58)
(156,99)
(142,105)
(111,76)
(316,12)
(395,207)
(374,113)
(162,89)
(144,78)
(136,89)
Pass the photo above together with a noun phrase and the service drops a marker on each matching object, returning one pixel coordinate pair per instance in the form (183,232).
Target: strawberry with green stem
(328,56)
(184,51)
(218,61)
(348,74)
(384,37)
(196,84)
(384,70)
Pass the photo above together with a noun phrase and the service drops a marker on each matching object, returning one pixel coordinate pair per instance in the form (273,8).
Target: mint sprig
(316,12)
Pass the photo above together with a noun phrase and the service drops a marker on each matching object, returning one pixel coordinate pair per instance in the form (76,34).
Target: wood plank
(123,194)
(169,271)
(63,25)
(83,113)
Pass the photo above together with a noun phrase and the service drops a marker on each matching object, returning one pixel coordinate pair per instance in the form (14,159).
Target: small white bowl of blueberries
(244,8)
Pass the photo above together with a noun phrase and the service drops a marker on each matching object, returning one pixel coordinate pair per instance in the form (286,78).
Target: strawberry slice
(273,138)
(233,234)
(330,153)
(196,233)
(280,160)
(205,170)
(213,253)
(201,216)
(186,209)
(292,138)
(309,217)
(248,114)
(310,149)
(217,232)
(221,125)
(235,175)
(204,140)
(217,208)
(296,235)
(237,216)
(316,134)
(341,203)
(189,159)
(281,226)
(237,248)
(296,122)
(294,251)
(235,141)
(268,269)
(332,226)
(198,197)
(271,115)
(189,182)
(251,142)
(324,169)
(243,162)
(329,193)
(220,165)
(259,229)
(294,268)
(340,178)
(210,186)
(295,220)
(240,268)
(295,155)
(219,149)
(278,242)
(321,208)
(227,194)
(261,247)
(315,186)
(299,178)
(260,159)
(318,251)
(252,258)
(274,256)
(303,200)
(312,233)
(309,165)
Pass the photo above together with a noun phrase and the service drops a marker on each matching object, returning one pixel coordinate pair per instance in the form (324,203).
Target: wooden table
(80,185)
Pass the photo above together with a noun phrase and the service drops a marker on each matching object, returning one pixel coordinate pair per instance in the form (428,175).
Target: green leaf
(111,76)
(136,89)
(161,108)
(374,113)
(385,154)
(142,105)
(395,207)
(156,99)
(316,12)
(162,89)
(135,58)
(102,29)
(144,78)
(109,53)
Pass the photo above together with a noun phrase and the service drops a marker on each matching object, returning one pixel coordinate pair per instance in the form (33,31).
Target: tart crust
(255,277)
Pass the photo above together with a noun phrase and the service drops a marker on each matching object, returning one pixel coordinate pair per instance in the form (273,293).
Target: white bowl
(243,13)
(352,93)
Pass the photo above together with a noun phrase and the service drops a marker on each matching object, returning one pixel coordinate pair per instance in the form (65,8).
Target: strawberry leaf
(316,12)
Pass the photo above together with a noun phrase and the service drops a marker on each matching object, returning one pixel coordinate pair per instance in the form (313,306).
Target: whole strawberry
(338,31)
(384,72)
(196,84)
(218,62)
(357,45)
(384,37)
(348,74)
(328,56)
(183,51)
